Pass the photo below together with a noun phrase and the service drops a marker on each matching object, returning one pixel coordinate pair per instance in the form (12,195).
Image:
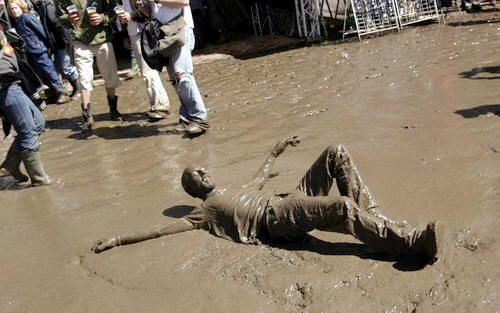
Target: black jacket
(59,36)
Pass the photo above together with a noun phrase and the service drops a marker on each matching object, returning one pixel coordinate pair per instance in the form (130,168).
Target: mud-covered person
(247,214)
(131,14)
(193,117)
(91,22)
(17,109)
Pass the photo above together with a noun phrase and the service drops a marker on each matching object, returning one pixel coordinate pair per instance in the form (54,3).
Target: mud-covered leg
(337,164)
(387,237)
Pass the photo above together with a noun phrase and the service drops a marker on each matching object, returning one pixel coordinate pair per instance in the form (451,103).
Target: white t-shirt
(164,13)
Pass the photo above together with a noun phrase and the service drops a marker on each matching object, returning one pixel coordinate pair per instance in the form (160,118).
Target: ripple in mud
(248,265)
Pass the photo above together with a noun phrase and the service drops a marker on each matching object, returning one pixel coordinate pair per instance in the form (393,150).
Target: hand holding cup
(73,13)
(122,14)
(94,17)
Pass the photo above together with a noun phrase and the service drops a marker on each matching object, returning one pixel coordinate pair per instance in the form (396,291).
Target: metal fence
(414,11)
(373,16)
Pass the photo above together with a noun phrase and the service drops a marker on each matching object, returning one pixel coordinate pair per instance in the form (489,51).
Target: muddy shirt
(233,214)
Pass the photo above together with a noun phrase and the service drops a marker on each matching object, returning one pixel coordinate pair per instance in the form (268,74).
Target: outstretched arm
(260,178)
(178,226)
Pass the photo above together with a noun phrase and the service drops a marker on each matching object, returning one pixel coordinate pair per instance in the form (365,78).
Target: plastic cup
(91,10)
(119,9)
(72,9)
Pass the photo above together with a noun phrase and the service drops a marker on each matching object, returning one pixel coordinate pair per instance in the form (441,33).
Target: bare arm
(261,177)
(178,226)
(172,3)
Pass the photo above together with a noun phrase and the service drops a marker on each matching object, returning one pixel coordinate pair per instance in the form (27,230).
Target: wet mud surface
(419,112)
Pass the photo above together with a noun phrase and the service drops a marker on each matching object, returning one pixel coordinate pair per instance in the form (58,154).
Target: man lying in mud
(247,214)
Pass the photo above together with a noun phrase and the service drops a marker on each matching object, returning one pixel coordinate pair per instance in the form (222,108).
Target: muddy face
(196,182)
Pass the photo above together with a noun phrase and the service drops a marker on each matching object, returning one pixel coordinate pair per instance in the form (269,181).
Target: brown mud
(418,111)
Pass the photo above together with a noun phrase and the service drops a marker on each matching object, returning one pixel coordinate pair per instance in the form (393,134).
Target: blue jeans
(63,64)
(44,65)
(24,116)
(192,106)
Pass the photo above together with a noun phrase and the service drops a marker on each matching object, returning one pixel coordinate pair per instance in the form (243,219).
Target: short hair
(21,3)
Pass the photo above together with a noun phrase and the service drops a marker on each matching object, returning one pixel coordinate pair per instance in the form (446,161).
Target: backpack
(150,37)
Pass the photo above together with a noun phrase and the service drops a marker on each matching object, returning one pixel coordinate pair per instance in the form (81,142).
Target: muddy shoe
(181,127)
(194,129)
(157,115)
(62,98)
(10,167)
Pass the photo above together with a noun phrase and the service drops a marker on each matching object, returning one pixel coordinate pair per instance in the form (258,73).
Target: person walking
(59,39)
(18,110)
(193,116)
(91,21)
(37,44)
(158,98)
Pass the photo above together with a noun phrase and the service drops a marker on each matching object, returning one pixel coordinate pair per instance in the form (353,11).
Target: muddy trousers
(355,212)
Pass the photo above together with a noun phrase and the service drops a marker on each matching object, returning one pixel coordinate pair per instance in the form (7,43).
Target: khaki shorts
(106,63)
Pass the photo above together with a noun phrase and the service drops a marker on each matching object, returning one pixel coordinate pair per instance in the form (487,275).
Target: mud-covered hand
(283,143)
(105,244)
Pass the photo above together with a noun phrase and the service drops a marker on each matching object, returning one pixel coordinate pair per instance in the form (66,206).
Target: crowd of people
(52,41)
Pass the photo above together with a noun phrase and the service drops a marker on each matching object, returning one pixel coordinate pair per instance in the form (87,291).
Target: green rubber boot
(10,167)
(34,167)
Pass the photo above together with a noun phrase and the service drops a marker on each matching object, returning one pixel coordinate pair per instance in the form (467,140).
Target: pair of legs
(355,212)
(157,94)
(43,64)
(29,123)
(106,62)
(180,69)
(62,61)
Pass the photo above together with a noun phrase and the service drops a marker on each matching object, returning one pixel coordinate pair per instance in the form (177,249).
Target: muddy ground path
(419,112)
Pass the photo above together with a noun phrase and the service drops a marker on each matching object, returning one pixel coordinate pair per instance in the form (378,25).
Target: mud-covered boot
(88,120)
(426,246)
(114,115)
(10,167)
(34,167)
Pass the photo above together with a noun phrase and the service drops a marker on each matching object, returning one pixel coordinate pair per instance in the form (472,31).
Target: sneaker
(62,98)
(157,114)
(181,127)
(194,129)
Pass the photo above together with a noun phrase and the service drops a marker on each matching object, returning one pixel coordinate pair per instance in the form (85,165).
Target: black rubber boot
(34,167)
(88,120)
(114,115)
(10,167)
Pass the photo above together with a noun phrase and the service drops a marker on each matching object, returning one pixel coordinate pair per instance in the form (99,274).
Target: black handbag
(159,41)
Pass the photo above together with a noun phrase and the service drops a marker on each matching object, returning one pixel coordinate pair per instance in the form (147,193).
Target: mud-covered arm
(260,178)
(179,226)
